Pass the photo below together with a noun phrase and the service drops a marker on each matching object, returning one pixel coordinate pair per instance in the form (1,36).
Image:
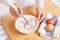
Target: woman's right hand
(14,12)
(40,14)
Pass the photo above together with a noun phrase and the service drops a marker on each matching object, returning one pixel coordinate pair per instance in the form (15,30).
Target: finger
(38,15)
(16,5)
(42,17)
(13,12)
(19,8)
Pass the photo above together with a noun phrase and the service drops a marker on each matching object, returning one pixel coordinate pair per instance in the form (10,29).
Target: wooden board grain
(9,22)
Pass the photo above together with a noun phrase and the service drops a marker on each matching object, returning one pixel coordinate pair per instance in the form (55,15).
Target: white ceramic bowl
(22,26)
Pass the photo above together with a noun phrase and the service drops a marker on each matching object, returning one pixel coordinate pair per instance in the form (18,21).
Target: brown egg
(50,21)
(49,27)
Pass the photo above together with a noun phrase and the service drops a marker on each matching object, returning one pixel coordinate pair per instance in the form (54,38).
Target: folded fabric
(55,32)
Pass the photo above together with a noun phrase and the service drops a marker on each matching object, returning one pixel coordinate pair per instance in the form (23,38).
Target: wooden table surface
(9,22)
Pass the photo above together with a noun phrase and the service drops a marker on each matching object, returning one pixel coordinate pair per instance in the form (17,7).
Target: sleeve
(12,1)
(40,3)
(5,1)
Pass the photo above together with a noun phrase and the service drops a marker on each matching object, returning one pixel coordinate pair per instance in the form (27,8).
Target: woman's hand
(14,12)
(40,14)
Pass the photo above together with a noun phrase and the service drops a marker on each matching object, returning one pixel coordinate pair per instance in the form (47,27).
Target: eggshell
(49,27)
(50,21)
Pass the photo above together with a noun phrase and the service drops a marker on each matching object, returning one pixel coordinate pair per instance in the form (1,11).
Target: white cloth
(3,10)
(55,32)
(3,34)
(56,2)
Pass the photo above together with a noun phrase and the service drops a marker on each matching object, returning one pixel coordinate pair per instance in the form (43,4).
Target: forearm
(39,9)
(40,3)
(39,6)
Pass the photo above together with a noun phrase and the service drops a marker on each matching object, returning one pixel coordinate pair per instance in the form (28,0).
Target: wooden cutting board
(9,22)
